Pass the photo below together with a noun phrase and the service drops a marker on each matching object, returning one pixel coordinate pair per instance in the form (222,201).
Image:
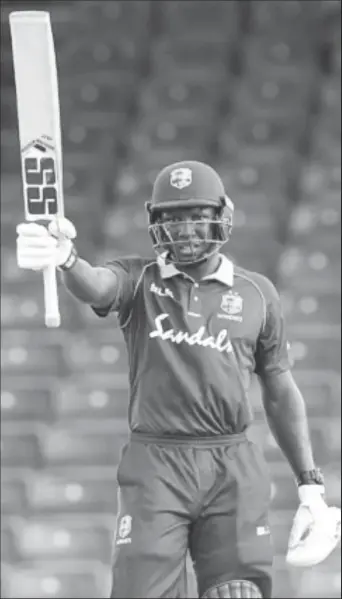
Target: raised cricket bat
(36,84)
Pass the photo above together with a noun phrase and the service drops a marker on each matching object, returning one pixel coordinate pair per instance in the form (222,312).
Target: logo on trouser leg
(263,530)
(124,530)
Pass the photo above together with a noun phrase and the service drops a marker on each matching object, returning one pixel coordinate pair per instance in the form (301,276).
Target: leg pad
(234,589)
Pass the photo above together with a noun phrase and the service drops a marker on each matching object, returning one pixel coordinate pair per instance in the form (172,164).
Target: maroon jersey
(193,346)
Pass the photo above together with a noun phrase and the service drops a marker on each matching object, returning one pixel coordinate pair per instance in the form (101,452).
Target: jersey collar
(224,274)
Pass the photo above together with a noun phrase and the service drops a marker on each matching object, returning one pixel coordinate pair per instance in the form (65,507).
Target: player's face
(190,232)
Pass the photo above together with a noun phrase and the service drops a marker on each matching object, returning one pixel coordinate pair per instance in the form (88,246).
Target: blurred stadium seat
(179,96)
(308,270)
(57,579)
(273,96)
(321,390)
(95,353)
(315,346)
(316,226)
(191,18)
(91,491)
(22,311)
(21,359)
(91,443)
(26,399)
(316,308)
(252,88)
(20,446)
(65,538)
(9,549)
(94,397)
(102,92)
(13,495)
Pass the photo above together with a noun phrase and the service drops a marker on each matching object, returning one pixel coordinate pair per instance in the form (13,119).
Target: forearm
(88,283)
(287,418)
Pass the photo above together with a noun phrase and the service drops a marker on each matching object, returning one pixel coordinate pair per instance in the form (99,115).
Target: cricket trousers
(209,496)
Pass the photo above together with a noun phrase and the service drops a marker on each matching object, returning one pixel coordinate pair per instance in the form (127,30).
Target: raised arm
(94,285)
(38,247)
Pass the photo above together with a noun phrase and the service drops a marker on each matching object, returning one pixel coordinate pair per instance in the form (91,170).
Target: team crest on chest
(181,177)
(231,305)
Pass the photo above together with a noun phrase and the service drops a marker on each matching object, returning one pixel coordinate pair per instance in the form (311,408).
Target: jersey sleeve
(128,271)
(272,351)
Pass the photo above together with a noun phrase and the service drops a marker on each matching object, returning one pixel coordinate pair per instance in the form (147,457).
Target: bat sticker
(40,180)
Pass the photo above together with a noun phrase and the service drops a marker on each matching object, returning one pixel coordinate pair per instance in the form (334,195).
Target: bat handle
(52,315)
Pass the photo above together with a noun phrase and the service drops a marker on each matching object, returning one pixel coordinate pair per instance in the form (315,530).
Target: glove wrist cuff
(71,260)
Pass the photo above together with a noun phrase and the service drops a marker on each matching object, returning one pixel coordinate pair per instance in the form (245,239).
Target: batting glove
(316,529)
(39,247)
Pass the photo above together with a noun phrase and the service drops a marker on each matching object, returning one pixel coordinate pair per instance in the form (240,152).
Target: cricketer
(196,328)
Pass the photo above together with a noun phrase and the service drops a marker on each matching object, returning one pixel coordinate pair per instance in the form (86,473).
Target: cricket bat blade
(39,127)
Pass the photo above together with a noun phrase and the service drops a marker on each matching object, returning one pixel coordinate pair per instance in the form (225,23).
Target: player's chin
(188,253)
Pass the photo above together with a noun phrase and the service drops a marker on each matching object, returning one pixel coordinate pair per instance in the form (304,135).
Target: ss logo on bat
(40,186)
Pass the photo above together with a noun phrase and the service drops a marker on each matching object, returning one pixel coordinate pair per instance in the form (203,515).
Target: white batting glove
(316,529)
(39,247)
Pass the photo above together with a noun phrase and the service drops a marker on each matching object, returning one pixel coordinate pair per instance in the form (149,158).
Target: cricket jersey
(194,345)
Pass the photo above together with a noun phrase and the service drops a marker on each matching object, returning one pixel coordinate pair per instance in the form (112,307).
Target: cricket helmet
(189,184)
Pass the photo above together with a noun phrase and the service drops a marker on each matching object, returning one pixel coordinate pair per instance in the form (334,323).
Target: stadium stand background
(254,89)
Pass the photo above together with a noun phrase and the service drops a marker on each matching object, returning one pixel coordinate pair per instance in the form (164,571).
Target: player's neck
(202,269)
